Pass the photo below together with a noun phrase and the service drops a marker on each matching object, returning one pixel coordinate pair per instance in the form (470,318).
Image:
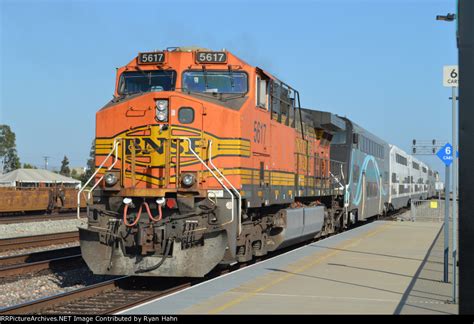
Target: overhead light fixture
(448,17)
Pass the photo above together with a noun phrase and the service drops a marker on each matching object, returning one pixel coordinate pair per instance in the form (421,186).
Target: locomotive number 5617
(259,130)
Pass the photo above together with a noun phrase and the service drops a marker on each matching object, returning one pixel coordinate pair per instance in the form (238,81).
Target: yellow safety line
(350,243)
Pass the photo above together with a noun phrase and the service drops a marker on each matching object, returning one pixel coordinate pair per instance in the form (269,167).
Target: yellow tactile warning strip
(273,279)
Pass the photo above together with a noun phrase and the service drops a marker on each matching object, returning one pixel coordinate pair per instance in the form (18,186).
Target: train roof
(363,131)
(323,120)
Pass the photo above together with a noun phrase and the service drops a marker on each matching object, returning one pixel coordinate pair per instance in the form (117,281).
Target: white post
(455,183)
(446,226)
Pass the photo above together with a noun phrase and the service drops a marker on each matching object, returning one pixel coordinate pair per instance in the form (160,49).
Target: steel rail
(38,217)
(38,256)
(38,240)
(22,269)
(37,306)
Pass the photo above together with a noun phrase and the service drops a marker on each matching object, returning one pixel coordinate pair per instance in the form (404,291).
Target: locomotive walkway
(380,268)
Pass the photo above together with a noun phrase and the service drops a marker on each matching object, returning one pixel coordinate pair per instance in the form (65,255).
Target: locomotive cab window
(146,81)
(261,91)
(215,81)
(186,115)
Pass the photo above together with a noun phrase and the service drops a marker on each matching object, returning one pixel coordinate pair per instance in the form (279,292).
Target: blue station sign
(446,154)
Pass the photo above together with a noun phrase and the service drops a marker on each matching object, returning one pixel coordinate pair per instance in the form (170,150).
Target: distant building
(36,178)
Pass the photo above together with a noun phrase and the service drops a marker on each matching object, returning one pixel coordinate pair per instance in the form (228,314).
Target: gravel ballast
(40,286)
(37,287)
(40,228)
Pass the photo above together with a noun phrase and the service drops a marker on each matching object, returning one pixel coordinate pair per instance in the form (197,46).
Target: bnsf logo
(148,145)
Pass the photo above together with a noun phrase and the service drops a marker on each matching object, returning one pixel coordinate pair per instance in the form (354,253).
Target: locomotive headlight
(162,105)
(188,179)
(161,116)
(110,179)
(162,110)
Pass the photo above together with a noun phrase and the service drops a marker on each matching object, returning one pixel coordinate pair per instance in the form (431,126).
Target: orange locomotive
(203,160)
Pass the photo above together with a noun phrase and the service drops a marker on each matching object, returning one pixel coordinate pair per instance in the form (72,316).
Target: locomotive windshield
(215,81)
(146,81)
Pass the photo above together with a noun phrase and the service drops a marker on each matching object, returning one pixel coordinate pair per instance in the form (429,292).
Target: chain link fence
(432,210)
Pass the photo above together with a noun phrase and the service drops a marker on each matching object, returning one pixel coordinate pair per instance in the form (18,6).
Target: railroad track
(14,267)
(38,217)
(38,240)
(112,296)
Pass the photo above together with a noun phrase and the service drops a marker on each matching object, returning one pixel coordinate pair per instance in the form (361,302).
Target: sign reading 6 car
(151,58)
(450,76)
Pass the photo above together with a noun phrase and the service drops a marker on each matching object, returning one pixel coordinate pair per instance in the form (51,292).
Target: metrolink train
(204,160)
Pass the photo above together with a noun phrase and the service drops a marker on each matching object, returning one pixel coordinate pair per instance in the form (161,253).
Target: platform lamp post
(451,17)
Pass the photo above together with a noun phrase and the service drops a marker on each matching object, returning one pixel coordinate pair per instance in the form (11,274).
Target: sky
(377,62)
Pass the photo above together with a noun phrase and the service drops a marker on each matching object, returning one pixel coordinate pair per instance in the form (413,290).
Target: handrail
(337,180)
(213,174)
(229,183)
(114,149)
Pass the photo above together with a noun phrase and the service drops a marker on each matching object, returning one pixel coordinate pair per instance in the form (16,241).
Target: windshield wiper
(231,77)
(204,73)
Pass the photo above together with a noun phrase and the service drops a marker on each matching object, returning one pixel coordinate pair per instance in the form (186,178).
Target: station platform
(385,267)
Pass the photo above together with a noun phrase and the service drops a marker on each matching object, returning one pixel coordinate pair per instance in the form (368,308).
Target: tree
(29,166)
(76,175)
(90,164)
(8,153)
(65,167)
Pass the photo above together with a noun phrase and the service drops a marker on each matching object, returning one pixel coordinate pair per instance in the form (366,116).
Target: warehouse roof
(34,176)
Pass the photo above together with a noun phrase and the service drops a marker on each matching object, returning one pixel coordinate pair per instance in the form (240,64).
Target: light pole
(451,17)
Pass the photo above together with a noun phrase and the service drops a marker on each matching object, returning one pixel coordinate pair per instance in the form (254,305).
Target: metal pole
(465,43)
(446,226)
(455,195)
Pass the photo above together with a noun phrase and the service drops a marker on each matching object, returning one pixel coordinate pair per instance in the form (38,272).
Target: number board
(151,57)
(451,76)
(211,57)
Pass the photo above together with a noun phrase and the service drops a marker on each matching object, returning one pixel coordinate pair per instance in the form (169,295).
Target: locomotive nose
(104,255)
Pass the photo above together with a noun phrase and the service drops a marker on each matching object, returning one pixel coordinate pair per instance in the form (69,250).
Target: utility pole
(46,162)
